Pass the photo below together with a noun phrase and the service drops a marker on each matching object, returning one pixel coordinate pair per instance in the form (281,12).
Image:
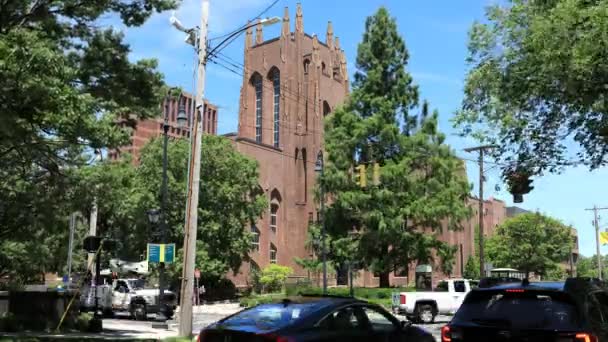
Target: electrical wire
(250,20)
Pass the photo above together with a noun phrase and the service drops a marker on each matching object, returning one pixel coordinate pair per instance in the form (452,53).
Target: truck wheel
(140,313)
(425,314)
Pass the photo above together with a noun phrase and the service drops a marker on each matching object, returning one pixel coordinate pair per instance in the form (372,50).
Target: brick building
(145,130)
(290,83)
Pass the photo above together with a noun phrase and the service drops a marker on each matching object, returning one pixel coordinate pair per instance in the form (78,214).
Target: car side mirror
(406,325)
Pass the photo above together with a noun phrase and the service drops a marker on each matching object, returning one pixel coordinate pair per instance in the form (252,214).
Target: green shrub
(83,321)
(9,323)
(274,276)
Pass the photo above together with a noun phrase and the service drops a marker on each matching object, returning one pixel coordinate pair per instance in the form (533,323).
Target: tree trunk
(384,279)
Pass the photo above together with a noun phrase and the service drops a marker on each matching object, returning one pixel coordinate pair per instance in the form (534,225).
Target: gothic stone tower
(290,84)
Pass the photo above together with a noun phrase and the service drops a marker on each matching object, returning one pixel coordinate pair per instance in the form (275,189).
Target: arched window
(256,80)
(306,66)
(275,76)
(275,204)
(255,238)
(323,68)
(326,108)
(273,254)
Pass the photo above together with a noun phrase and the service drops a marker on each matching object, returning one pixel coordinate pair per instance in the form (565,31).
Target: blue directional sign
(158,252)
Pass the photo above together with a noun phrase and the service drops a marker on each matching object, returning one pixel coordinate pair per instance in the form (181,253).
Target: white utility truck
(424,306)
(127,295)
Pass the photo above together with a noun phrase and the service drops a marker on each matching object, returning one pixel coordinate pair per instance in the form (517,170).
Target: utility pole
(481,150)
(71,246)
(92,232)
(187,286)
(596,223)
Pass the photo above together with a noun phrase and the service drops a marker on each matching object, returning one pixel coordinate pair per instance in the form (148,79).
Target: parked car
(306,319)
(424,306)
(572,311)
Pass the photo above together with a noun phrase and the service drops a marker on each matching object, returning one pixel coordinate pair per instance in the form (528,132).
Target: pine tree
(421,184)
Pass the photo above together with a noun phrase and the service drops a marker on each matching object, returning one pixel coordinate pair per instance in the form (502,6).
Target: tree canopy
(537,84)
(422,184)
(65,81)
(530,242)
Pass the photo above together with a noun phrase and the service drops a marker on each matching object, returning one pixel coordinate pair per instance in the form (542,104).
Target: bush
(83,321)
(9,323)
(261,299)
(274,276)
(380,296)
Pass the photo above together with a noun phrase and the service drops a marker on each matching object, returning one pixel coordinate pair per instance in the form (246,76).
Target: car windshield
(519,310)
(270,316)
(136,283)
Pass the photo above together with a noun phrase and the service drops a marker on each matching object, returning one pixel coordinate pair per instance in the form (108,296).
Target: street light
(182,117)
(153,216)
(319,168)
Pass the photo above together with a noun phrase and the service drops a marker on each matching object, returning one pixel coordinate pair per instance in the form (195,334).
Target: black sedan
(301,319)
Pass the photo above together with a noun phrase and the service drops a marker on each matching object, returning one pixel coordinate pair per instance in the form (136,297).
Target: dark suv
(572,311)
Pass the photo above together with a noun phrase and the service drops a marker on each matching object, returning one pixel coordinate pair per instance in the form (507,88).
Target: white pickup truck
(424,306)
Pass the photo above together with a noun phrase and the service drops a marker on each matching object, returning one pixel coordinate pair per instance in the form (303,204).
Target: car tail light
(402,299)
(446,336)
(276,338)
(583,337)
(515,290)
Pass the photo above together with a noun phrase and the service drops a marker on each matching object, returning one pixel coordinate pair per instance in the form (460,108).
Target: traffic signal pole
(481,150)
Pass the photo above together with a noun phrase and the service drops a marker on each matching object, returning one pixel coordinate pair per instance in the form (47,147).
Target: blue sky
(435,32)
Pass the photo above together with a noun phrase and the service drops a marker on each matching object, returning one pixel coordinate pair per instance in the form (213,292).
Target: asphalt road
(122,325)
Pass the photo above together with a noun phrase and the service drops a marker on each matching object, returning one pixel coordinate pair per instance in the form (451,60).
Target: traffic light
(519,185)
(376,174)
(361,175)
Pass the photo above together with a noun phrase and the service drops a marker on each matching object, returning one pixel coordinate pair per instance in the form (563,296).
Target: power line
(250,20)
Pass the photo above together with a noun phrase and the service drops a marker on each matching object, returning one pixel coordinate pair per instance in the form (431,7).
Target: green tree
(274,276)
(471,269)
(65,80)
(229,186)
(587,266)
(530,243)
(537,83)
(421,184)
(557,273)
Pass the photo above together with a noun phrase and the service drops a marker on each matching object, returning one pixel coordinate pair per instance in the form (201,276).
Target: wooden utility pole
(481,150)
(187,286)
(596,223)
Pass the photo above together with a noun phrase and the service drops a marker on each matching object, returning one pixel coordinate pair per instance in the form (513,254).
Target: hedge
(380,296)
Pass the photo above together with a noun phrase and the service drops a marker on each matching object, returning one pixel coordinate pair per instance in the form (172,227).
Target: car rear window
(521,310)
(270,316)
